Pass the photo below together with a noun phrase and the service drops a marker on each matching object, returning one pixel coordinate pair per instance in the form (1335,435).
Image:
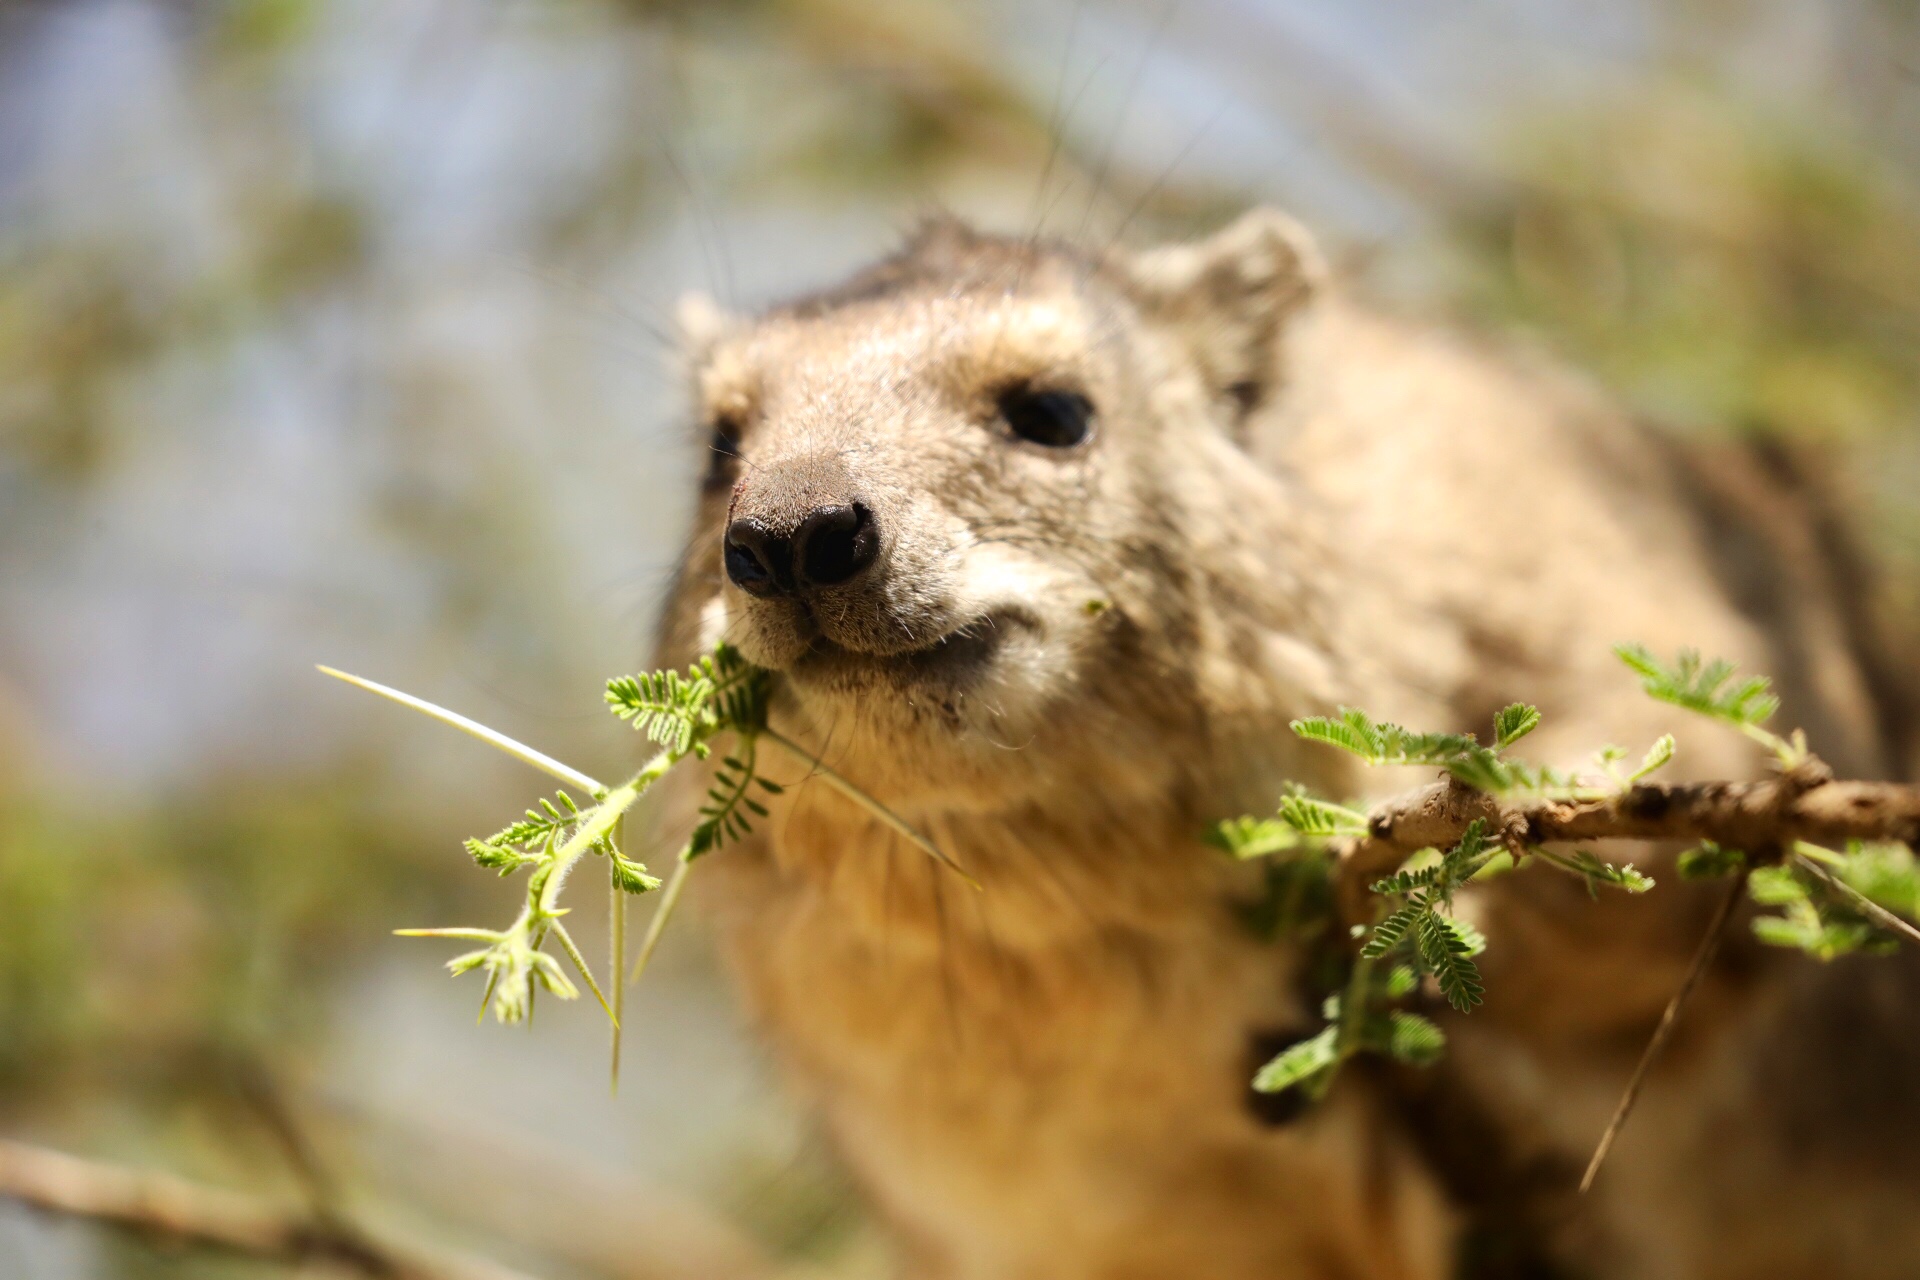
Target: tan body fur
(1288,503)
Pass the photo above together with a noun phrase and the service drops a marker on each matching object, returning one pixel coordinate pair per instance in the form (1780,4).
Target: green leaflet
(631,876)
(1816,913)
(1708,861)
(1704,687)
(1253,837)
(1657,757)
(1514,723)
(664,705)
(1413,1039)
(1383,743)
(1402,1035)
(1407,881)
(498,857)
(1464,859)
(1388,933)
(1445,954)
(1597,871)
(1321,819)
(1468,939)
(730,808)
(1888,874)
(1710,689)
(1300,1063)
(721,691)
(530,841)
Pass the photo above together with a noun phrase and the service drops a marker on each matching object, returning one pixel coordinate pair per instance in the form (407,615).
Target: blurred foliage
(1728,260)
(141,943)
(1726,267)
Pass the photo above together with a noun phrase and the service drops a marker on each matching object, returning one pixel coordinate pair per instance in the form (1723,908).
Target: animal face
(950,500)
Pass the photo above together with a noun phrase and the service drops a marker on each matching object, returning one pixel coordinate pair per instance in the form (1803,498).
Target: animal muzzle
(827,546)
(831,559)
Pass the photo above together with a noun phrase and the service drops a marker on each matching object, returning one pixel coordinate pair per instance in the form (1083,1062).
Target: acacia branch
(1764,819)
(159,1204)
(1802,803)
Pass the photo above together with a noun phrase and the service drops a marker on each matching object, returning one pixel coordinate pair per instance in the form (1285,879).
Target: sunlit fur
(1287,502)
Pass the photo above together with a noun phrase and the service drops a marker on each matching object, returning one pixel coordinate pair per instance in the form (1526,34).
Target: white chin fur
(1033,662)
(1039,618)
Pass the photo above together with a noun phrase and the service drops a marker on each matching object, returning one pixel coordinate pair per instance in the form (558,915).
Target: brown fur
(1289,503)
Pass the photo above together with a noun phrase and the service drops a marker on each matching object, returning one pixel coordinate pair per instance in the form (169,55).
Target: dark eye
(1057,419)
(723,457)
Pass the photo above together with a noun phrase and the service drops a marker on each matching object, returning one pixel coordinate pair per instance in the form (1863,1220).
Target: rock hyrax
(1047,546)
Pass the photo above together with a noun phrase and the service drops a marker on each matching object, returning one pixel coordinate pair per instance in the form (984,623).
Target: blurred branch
(593,1218)
(256,1086)
(159,1204)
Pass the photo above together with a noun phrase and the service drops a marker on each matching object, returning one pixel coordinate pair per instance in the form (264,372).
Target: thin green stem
(580,962)
(1879,914)
(676,884)
(1567,865)
(840,783)
(1789,752)
(1804,850)
(1353,1007)
(600,821)
(1353,1014)
(493,737)
(617,946)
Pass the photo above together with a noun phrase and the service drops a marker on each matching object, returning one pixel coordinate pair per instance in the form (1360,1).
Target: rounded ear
(1228,296)
(702,323)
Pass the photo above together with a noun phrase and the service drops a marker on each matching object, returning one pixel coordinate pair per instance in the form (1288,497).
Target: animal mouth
(957,659)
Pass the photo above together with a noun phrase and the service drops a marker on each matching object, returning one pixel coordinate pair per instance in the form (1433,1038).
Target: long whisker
(947,983)
(1126,107)
(1166,175)
(1054,124)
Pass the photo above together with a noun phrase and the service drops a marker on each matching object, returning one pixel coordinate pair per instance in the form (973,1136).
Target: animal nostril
(759,562)
(833,545)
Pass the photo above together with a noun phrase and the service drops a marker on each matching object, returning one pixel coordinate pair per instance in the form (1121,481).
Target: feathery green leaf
(631,876)
(1445,954)
(1708,861)
(1657,756)
(1382,743)
(1471,941)
(1404,881)
(1321,819)
(1387,934)
(1252,837)
(1514,723)
(666,706)
(1413,1039)
(1299,1063)
(1704,687)
(1597,871)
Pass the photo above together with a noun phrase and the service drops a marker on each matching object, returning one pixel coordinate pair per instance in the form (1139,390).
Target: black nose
(831,546)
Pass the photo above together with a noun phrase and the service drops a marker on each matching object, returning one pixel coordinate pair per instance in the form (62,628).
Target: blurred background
(339,331)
